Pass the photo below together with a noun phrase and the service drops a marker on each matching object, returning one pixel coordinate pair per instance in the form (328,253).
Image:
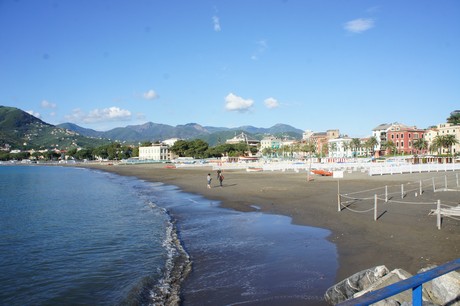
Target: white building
(157,152)
(170,142)
(270,142)
(340,147)
(243,138)
(380,134)
(442,130)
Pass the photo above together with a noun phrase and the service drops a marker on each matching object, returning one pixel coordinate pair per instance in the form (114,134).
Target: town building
(340,148)
(170,142)
(270,142)
(156,152)
(380,134)
(243,137)
(403,137)
(320,139)
(442,130)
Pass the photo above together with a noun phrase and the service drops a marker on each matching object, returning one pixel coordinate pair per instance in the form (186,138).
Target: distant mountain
(20,130)
(157,132)
(80,130)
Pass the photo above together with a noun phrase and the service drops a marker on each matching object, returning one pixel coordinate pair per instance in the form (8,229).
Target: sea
(77,236)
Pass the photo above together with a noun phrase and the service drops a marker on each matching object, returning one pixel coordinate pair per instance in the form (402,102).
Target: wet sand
(404,236)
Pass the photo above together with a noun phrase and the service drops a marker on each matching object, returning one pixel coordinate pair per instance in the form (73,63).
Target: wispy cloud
(271,103)
(216,23)
(150,95)
(262,46)
(359,25)
(35,114)
(47,104)
(113,113)
(235,103)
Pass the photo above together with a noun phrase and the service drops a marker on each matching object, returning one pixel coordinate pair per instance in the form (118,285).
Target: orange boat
(321,172)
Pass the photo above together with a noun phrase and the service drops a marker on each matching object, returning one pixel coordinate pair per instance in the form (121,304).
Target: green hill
(20,130)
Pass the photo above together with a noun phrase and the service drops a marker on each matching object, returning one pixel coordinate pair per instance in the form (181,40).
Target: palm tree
(267,151)
(439,143)
(389,146)
(355,145)
(420,144)
(449,141)
(309,147)
(346,146)
(332,148)
(296,148)
(371,143)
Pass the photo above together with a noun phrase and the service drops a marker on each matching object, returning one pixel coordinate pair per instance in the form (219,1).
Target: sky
(315,65)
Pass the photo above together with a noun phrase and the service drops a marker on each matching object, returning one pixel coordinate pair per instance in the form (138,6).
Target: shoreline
(404,236)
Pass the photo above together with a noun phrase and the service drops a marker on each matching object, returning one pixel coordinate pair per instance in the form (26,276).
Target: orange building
(404,137)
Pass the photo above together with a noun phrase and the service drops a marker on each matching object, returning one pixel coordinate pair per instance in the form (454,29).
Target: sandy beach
(404,236)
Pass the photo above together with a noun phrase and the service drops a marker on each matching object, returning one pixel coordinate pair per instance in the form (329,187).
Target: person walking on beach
(218,173)
(221,178)
(208,178)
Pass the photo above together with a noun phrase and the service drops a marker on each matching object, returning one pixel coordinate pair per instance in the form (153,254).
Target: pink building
(403,137)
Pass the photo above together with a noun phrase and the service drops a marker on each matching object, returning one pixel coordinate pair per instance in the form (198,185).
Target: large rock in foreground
(355,283)
(444,290)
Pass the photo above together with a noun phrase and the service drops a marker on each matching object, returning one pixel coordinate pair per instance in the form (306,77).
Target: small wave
(177,267)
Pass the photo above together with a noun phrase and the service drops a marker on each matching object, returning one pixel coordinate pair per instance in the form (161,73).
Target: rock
(345,289)
(388,279)
(444,290)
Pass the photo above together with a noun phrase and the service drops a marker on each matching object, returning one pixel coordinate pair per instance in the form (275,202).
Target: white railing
(385,168)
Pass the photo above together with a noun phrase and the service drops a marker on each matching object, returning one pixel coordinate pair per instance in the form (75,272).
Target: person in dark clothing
(221,178)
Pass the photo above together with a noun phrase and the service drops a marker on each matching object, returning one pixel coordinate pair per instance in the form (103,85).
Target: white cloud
(262,45)
(99,115)
(216,23)
(46,104)
(235,103)
(150,95)
(359,25)
(35,114)
(271,103)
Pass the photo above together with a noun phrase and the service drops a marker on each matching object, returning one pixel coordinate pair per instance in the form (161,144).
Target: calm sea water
(78,236)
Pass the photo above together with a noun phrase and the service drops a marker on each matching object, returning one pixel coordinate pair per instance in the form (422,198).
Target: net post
(438,216)
(375,207)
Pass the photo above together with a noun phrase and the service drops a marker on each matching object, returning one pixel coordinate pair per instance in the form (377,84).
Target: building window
(402,136)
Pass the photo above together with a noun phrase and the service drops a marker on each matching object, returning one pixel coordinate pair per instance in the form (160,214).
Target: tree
(267,151)
(371,143)
(195,148)
(84,154)
(179,147)
(389,146)
(449,141)
(420,145)
(355,145)
(438,143)
(309,147)
(332,147)
(454,118)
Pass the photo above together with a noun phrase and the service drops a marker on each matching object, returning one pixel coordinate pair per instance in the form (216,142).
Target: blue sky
(318,65)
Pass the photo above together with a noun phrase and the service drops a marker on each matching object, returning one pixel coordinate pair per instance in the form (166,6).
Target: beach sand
(404,236)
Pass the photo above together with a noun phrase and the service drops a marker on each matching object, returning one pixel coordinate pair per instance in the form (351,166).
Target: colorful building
(403,137)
